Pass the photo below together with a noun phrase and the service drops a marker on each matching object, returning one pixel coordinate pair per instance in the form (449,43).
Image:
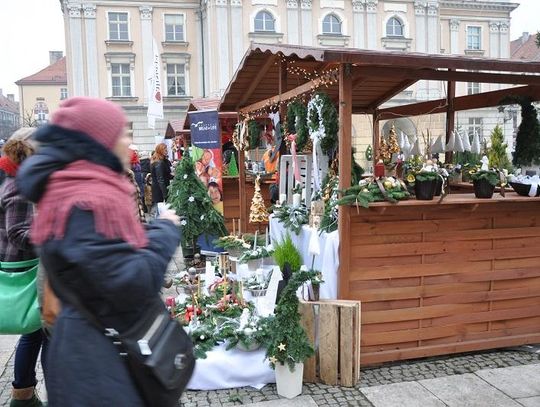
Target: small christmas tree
(189,198)
(497,152)
(233,167)
(288,342)
(527,150)
(258,212)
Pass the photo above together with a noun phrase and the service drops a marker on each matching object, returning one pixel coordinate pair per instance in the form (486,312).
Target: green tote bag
(19,309)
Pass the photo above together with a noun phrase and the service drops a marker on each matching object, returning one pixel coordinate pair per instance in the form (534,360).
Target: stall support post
(242,222)
(450,117)
(345,151)
(376,138)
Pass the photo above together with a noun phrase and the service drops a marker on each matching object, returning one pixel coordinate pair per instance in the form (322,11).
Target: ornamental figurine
(258,212)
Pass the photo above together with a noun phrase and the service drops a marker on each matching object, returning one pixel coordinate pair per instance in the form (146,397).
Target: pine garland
(189,198)
(254,134)
(297,123)
(323,119)
(292,217)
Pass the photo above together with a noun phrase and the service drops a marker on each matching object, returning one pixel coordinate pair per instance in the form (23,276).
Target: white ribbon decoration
(314,247)
(316,136)
(533,190)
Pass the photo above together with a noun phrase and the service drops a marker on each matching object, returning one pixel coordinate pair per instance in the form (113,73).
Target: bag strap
(9,265)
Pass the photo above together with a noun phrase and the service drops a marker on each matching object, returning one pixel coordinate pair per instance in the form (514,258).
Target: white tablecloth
(327,262)
(225,369)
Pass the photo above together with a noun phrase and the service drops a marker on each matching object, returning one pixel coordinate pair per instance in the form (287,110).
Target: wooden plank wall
(231,203)
(444,279)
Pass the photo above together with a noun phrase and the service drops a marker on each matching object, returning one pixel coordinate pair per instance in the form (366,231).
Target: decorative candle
(255,242)
(296,200)
(303,195)
(267,237)
(282,198)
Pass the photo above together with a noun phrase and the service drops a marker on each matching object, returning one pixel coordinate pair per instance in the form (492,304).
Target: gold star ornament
(273,360)
(281,347)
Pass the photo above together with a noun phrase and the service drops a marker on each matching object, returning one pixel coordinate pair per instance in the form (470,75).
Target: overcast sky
(27,37)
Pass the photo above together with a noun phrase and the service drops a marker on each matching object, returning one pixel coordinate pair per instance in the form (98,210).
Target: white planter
(289,384)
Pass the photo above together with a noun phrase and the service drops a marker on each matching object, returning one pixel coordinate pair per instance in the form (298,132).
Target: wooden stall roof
(206,104)
(377,76)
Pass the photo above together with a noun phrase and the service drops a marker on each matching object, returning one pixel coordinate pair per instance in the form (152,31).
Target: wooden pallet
(334,328)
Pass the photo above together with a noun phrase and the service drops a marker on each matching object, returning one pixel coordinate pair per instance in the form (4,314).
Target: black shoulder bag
(158,352)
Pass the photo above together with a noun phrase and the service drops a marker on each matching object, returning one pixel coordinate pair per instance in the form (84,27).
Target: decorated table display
(328,260)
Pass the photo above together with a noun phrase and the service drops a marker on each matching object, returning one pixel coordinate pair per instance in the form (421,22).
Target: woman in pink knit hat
(94,249)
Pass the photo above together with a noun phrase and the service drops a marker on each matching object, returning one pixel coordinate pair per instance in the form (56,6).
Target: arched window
(331,24)
(394,27)
(264,21)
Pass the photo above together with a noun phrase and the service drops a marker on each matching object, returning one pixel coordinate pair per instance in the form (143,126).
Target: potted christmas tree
(189,198)
(288,345)
(497,155)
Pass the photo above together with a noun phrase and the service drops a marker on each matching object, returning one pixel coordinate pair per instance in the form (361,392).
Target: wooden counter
(434,279)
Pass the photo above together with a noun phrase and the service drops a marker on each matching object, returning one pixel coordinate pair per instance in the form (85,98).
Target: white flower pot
(253,265)
(289,384)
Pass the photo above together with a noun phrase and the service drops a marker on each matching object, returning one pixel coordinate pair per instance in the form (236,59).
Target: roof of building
(525,48)
(54,74)
(8,105)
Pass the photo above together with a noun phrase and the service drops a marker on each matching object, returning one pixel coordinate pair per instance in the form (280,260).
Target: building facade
(201,43)
(9,115)
(41,93)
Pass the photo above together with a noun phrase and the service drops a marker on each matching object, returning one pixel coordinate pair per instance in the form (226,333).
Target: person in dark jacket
(161,174)
(92,243)
(15,218)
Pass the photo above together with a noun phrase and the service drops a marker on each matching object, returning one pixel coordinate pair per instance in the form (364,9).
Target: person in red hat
(95,250)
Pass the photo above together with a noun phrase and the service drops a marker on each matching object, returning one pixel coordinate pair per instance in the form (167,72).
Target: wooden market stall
(231,193)
(433,278)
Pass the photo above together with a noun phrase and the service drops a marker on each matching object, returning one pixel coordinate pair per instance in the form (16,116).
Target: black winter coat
(161,178)
(114,280)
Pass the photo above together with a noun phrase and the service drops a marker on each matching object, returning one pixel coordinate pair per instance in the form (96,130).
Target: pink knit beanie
(98,118)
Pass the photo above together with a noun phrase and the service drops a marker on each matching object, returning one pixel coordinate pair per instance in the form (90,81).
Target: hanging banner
(206,153)
(155,102)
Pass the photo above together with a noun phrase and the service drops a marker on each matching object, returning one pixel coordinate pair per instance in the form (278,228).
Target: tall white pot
(289,384)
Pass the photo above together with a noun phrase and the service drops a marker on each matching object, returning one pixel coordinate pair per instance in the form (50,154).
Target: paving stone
(467,390)
(302,401)
(529,402)
(401,394)
(516,382)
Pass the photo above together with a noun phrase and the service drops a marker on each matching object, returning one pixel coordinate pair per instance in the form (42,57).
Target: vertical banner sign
(206,139)
(155,102)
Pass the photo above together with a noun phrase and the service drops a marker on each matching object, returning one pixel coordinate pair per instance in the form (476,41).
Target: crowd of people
(75,195)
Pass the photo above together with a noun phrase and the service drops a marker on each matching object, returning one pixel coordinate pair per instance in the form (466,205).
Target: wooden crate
(334,329)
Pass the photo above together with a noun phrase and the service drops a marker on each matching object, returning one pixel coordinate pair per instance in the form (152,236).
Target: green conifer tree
(498,158)
(233,167)
(189,198)
(528,137)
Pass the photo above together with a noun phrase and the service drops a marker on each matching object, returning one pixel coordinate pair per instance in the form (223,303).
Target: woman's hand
(169,214)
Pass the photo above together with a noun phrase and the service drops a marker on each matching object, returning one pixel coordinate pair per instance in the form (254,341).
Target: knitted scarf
(8,166)
(88,186)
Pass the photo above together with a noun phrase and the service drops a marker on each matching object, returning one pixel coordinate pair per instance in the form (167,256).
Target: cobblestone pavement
(323,395)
